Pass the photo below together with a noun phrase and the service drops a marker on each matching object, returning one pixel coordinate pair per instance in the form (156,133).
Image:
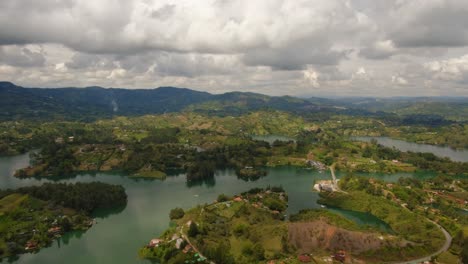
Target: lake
(272,138)
(119,234)
(453,154)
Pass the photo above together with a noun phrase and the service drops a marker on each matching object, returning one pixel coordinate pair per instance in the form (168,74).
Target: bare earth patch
(309,236)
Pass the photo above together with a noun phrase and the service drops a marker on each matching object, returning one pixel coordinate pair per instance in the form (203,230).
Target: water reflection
(206,181)
(104,213)
(66,238)
(364,219)
(272,138)
(455,155)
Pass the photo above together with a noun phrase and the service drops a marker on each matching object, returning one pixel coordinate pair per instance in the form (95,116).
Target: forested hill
(90,103)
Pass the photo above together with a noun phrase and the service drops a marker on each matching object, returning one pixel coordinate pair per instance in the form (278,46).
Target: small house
(174,237)
(304,258)
(154,242)
(55,230)
(187,249)
(31,245)
(179,242)
(340,256)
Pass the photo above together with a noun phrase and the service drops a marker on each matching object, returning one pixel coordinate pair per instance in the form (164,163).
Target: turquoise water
(119,233)
(363,219)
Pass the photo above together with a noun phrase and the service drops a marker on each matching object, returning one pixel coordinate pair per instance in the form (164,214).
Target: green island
(32,217)
(152,146)
(251,227)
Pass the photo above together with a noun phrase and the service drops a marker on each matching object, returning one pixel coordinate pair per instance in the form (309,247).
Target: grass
(11,202)
(411,226)
(240,224)
(447,258)
(329,217)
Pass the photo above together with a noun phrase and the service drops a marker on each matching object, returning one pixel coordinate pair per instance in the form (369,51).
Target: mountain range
(17,102)
(91,103)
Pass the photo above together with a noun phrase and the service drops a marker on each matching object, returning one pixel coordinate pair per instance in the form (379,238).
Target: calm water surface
(120,233)
(453,154)
(272,138)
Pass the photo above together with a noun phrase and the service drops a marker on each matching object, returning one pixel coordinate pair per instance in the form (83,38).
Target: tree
(464,252)
(222,198)
(193,229)
(367,153)
(328,160)
(176,213)
(220,254)
(258,252)
(66,224)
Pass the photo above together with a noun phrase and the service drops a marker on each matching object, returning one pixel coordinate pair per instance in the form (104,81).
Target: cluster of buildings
(32,244)
(325,185)
(61,140)
(179,243)
(317,164)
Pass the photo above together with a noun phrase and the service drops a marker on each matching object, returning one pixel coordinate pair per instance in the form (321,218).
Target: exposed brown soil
(307,237)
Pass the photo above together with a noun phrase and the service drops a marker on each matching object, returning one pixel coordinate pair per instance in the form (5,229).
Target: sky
(276,47)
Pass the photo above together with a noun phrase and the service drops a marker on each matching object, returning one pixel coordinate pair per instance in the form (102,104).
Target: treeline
(248,154)
(422,119)
(85,197)
(198,163)
(423,161)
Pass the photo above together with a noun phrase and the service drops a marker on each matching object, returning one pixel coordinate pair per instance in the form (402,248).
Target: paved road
(445,247)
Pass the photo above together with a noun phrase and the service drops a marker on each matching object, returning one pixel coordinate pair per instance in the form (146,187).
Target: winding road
(445,247)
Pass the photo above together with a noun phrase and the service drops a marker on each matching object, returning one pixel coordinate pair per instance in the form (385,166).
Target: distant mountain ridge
(91,103)
(73,103)
(88,103)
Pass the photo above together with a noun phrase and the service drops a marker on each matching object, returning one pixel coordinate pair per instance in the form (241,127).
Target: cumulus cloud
(297,47)
(21,56)
(399,80)
(379,50)
(426,23)
(312,77)
(453,69)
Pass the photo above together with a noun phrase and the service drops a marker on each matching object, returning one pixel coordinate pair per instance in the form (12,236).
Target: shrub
(240,230)
(193,230)
(176,213)
(274,204)
(223,198)
(258,252)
